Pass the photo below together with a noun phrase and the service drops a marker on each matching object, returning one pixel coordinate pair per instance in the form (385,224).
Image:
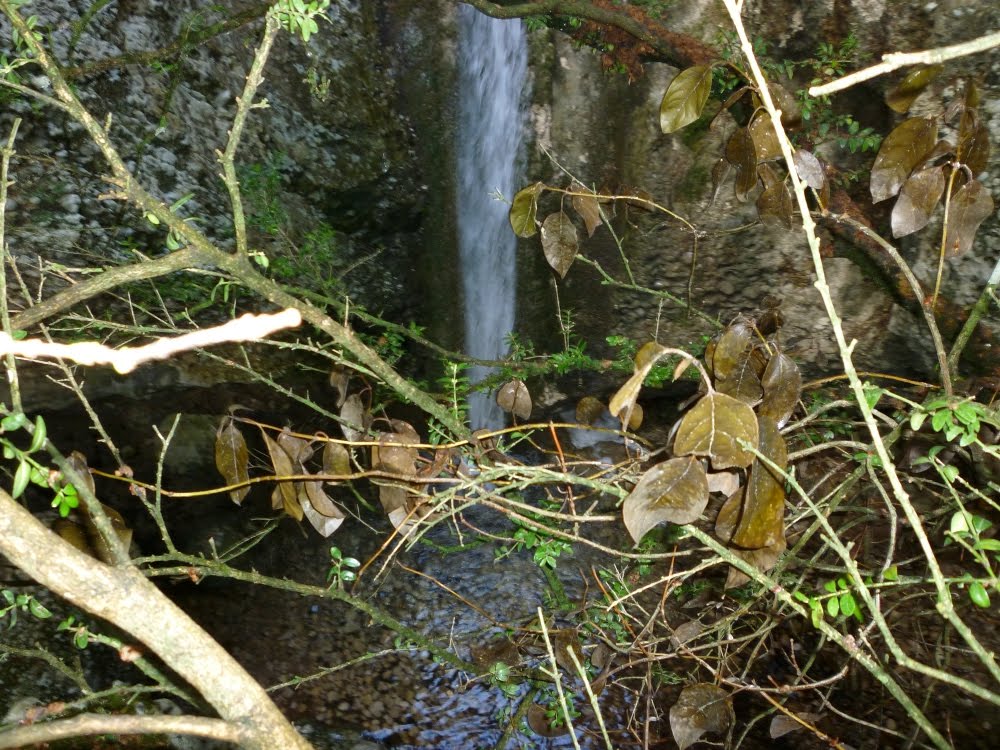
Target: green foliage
(501,677)
(260,186)
(341,569)
(81,634)
(21,603)
(299,16)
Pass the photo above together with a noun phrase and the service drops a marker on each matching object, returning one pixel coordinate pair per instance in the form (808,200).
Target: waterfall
(492,63)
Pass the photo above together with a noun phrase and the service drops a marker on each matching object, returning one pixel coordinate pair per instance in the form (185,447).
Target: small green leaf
(21,478)
(978,595)
(847,604)
(830,586)
(833,606)
(81,639)
(38,609)
(38,438)
(891,573)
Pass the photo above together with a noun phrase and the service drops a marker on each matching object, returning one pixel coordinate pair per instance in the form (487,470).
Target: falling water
(492,74)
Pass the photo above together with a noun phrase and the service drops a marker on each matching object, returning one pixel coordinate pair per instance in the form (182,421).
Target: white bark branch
(896,60)
(245,328)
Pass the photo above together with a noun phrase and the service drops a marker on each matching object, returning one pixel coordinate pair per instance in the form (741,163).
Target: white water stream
(491,81)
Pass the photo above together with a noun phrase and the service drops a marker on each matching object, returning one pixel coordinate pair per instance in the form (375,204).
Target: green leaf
(978,595)
(830,586)
(21,478)
(891,573)
(847,604)
(38,437)
(904,93)
(523,210)
(815,613)
(833,606)
(685,98)
(38,609)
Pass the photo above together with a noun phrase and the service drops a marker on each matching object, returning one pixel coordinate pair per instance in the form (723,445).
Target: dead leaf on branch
(763,559)
(354,419)
(701,708)
(514,398)
(674,491)
(917,200)
(970,206)
(714,428)
(762,522)
(285,493)
(586,204)
(559,242)
(232,458)
(764,137)
(336,459)
(901,152)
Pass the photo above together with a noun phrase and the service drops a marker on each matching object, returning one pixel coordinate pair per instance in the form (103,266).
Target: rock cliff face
(604,130)
(354,156)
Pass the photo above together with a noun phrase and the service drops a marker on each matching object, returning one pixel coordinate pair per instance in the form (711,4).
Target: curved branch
(680,50)
(123,597)
(90,724)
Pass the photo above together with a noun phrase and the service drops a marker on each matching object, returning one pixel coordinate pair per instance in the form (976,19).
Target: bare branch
(895,60)
(245,328)
(91,724)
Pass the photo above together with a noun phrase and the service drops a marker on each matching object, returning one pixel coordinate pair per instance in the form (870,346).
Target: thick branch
(86,725)
(123,597)
(109,279)
(677,49)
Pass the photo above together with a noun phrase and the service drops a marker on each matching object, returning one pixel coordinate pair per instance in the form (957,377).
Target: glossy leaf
(917,200)
(809,169)
(559,242)
(685,98)
(901,96)
(674,491)
(232,458)
(762,522)
(973,143)
(741,153)
(782,383)
(524,208)
(588,208)
(764,137)
(714,427)
(22,476)
(514,398)
(701,708)
(902,150)
(970,206)
(742,381)
(730,349)
(729,514)
(774,206)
